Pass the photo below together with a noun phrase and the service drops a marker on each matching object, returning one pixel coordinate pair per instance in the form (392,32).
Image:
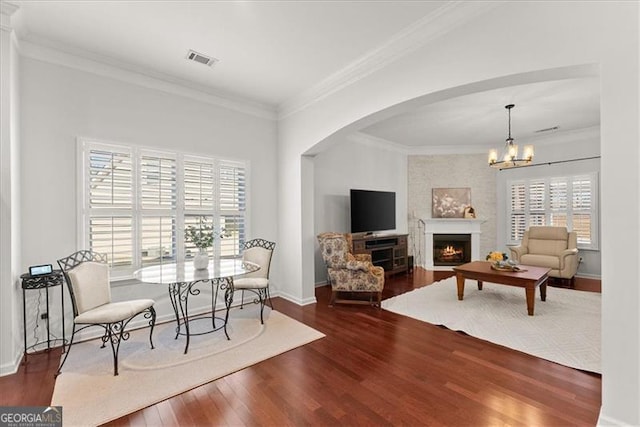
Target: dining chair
(257,251)
(87,276)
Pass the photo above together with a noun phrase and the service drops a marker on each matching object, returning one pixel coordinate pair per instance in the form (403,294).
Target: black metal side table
(46,281)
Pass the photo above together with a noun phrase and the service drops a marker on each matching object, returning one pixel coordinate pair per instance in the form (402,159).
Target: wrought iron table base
(179,294)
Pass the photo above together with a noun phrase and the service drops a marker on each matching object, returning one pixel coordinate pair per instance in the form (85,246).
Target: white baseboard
(296,300)
(12,367)
(604,420)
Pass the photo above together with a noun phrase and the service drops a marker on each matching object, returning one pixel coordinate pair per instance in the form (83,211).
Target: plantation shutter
(517,224)
(136,204)
(199,200)
(582,204)
(158,239)
(198,185)
(537,203)
(558,196)
(157,187)
(157,182)
(569,202)
(232,207)
(109,203)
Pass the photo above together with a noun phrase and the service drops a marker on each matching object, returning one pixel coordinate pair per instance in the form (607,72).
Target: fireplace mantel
(450,226)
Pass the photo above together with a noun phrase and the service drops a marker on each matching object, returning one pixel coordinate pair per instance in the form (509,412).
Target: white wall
(582,144)
(475,57)
(351,164)
(60,103)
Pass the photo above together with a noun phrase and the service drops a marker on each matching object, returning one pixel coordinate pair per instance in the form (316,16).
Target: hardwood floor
(373,367)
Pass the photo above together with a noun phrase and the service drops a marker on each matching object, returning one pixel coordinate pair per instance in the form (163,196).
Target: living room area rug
(91,395)
(564,329)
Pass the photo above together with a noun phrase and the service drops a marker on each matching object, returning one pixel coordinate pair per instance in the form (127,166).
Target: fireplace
(451,249)
(467,227)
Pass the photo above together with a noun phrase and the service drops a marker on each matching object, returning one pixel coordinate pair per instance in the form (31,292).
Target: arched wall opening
(570,72)
(331,216)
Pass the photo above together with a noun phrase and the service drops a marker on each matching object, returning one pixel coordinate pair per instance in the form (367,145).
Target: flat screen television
(372,211)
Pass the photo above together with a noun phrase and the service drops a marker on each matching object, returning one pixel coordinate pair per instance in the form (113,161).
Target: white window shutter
(110,179)
(582,203)
(157,182)
(560,201)
(137,202)
(198,184)
(517,224)
(232,207)
(109,203)
(537,202)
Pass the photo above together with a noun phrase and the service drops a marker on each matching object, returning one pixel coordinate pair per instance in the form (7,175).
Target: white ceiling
(271,52)
(481,119)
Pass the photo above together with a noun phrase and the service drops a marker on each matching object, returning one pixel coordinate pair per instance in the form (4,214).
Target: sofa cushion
(547,247)
(548,261)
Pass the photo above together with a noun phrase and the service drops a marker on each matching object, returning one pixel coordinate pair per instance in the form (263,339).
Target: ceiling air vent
(200,58)
(547,129)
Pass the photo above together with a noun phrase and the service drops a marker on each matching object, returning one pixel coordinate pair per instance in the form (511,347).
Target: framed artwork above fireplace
(450,202)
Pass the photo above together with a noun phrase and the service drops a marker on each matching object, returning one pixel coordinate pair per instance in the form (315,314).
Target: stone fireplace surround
(450,226)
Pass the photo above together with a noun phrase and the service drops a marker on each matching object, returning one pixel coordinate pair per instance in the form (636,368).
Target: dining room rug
(90,394)
(564,329)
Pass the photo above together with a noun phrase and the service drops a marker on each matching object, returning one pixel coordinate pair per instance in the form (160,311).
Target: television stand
(387,251)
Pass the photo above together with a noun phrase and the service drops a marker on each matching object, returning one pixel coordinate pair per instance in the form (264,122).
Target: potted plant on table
(202,237)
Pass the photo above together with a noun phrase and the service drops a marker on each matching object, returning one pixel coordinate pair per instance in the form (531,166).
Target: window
(562,201)
(136,203)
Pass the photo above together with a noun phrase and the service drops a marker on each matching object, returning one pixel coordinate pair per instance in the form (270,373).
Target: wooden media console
(387,251)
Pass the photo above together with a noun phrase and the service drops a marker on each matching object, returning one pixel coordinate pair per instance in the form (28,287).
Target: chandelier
(509,156)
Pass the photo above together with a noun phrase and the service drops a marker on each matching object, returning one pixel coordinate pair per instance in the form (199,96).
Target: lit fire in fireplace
(450,252)
(451,249)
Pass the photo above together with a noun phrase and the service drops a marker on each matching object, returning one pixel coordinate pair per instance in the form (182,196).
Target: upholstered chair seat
(251,283)
(113,312)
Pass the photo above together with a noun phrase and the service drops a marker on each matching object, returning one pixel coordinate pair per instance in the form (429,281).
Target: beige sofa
(552,247)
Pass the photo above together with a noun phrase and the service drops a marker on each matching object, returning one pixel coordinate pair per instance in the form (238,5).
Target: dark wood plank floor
(373,368)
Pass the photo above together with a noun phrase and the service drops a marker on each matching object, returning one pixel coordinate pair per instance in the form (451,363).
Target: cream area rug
(564,329)
(91,395)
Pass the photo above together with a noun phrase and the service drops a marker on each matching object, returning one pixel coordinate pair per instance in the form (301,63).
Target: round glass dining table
(184,280)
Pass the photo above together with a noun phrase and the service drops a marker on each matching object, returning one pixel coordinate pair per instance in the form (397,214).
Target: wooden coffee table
(529,278)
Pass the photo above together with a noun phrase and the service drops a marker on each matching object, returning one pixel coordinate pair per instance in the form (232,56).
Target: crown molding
(413,37)
(7,8)
(44,50)
(6,11)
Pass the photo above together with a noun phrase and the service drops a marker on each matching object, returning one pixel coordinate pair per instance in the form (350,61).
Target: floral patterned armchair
(348,272)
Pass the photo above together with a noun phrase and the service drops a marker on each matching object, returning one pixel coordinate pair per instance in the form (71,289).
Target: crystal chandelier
(509,156)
